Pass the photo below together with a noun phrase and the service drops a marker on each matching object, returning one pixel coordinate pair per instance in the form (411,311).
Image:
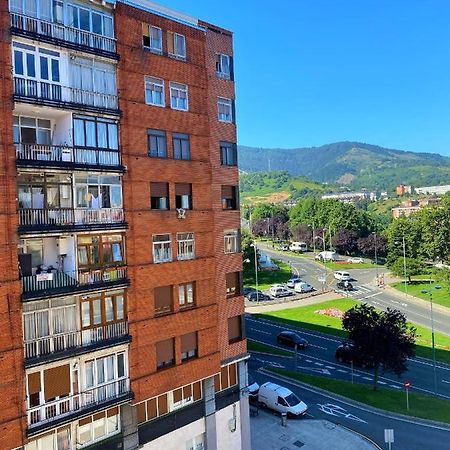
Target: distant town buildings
(350,197)
(410,207)
(403,189)
(433,190)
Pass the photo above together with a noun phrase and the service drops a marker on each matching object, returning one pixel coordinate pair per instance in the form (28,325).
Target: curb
(410,419)
(362,436)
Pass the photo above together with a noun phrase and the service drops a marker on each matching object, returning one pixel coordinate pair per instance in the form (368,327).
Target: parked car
(291,282)
(291,339)
(253,291)
(281,399)
(257,296)
(342,276)
(247,290)
(280,291)
(253,388)
(298,247)
(346,353)
(345,286)
(303,287)
(355,260)
(327,256)
(283,247)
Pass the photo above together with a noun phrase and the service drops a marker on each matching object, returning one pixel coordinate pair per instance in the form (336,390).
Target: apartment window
(185,243)
(181,146)
(225,109)
(179,96)
(159,196)
(229,197)
(226,378)
(163,300)
(57,439)
(152,38)
(228,154)
(92,132)
(189,346)
(235,329)
(97,251)
(162,248)
(97,427)
(231,242)
(90,20)
(154,91)
(186,295)
(98,191)
(165,354)
(223,66)
(157,144)
(233,284)
(183,195)
(30,130)
(176,45)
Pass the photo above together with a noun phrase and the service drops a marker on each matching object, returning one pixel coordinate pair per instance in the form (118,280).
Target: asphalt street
(365,289)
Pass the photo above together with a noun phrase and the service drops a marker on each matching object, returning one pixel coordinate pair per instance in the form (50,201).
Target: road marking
(317,346)
(342,370)
(367,378)
(313,369)
(394,386)
(329,367)
(445,381)
(338,411)
(308,360)
(259,331)
(318,363)
(381,382)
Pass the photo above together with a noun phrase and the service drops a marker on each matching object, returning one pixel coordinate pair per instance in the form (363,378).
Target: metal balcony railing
(47,345)
(62,282)
(51,411)
(63,33)
(57,93)
(33,217)
(66,154)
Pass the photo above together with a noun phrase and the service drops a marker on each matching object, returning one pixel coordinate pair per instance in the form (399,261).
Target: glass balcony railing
(60,32)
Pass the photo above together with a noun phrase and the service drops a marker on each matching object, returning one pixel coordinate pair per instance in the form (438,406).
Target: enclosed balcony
(46,202)
(59,139)
(73,26)
(49,266)
(56,328)
(44,76)
(57,393)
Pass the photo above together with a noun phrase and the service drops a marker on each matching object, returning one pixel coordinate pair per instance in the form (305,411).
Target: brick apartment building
(121,317)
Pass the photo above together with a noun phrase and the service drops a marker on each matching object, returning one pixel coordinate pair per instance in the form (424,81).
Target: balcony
(53,94)
(59,411)
(54,282)
(67,156)
(60,345)
(52,219)
(59,34)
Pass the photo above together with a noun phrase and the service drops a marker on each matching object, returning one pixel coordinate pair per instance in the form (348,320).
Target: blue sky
(312,72)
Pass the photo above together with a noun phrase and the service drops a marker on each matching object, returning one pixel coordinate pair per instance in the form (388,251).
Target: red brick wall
(12,389)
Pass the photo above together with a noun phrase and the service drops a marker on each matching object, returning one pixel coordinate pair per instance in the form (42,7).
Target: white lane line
(367,378)
(381,382)
(315,346)
(445,381)
(331,367)
(342,371)
(259,331)
(308,360)
(394,386)
(318,364)
(356,375)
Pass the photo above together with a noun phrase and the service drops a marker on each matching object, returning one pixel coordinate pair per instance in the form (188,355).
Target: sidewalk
(267,433)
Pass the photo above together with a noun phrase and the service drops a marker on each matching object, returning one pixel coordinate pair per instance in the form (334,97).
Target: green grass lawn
(420,405)
(340,266)
(264,348)
(267,278)
(440,296)
(305,317)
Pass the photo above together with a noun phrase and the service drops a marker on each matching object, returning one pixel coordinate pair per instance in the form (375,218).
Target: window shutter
(177,395)
(159,189)
(188,342)
(151,408)
(164,350)
(233,375)
(145,31)
(34,383)
(182,189)
(224,377)
(197,390)
(57,382)
(141,412)
(162,404)
(234,328)
(187,391)
(227,191)
(163,297)
(170,42)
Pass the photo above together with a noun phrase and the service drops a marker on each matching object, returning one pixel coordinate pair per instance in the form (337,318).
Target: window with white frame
(225,109)
(176,45)
(162,248)
(196,443)
(228,153)
(179,96)
(186,295)
(92,76)
(57,439)
(31,130)
(154,91)
(180,397)
(223,66)
(89,20)
(231,241)
(185,246)
(152,38)
(98,427)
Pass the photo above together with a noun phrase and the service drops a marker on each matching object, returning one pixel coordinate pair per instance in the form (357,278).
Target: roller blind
(182,189)
(188,342)
(34,383)
(234,328)
(164,350)
(57,382)
(227,191)
(170,42)
(159,189)
(163,297)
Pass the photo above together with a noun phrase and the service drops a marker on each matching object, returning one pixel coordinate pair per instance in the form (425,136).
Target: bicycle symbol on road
(337,411)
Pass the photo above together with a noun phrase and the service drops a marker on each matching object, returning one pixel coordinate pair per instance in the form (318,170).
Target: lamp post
(404,263)
(253,244)
(376,258)
(430,292)
(313,237)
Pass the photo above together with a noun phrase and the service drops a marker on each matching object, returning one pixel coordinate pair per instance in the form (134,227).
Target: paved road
(319,359)
(365,290)
(408,435)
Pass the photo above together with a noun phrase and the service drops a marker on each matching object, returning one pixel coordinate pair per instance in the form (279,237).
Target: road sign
(389,436)
(322,279)
(407,384)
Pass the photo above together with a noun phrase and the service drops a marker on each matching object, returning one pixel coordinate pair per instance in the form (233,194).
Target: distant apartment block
(412,206)
(122,319)
(403,189)
(350,197)
(433,190)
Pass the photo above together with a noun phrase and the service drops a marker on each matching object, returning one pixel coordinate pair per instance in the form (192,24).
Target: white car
(293,281)
(355,260)
(342,276)
(303,287)
(280,291)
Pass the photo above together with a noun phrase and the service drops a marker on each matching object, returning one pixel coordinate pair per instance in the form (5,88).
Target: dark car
(346,353)
(252,297)
(247,290)
(345,285)
(291,339)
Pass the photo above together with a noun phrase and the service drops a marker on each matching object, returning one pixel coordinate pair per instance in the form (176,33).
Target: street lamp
(404,262)
(313,237)
(253,244)
(376,258)
(430,292)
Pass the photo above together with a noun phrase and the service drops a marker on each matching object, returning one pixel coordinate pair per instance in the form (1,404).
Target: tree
(442,274)
(248,252)
(345,241)
(302,233)
(382,337)
(413,267)
(366,245)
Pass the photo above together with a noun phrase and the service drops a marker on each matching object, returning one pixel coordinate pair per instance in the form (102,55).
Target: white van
(281,399)
(342,276)
(327,256)
(298,247)
(303,287)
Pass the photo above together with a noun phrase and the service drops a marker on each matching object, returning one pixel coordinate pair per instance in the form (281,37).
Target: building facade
(122,315)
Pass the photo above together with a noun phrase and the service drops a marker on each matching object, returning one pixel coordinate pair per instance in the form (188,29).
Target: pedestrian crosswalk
(358,291)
